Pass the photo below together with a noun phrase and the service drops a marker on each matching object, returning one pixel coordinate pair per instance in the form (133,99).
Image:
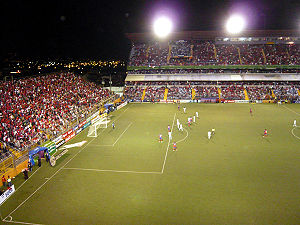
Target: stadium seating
(257,90)
(34,108)
(197,52)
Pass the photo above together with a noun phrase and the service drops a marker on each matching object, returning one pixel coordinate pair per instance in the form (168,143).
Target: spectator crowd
(33,109)
(198,52)
(229,90)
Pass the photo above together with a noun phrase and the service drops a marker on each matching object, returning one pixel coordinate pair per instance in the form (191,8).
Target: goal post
(102,123)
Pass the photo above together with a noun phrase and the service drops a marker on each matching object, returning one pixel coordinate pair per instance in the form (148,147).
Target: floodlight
(235,24)
(162,27)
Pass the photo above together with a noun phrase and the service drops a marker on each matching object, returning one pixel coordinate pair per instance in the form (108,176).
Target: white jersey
(184,109)
(170,135)
(180,127)
(295,123)
(194,119)
(209,134)
(197,114)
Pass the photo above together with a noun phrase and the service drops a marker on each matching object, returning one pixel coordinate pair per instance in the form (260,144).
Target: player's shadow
(267,138)
(211,140)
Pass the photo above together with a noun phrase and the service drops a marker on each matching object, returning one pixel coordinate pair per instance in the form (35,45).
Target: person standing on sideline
(29,166)
(9,181)
(47,157)
(3,181)
(25,172)
(39,162)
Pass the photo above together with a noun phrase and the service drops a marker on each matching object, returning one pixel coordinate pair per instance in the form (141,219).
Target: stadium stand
(207,53)
(36,108)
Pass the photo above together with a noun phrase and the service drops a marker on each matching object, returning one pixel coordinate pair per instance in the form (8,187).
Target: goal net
(102,123)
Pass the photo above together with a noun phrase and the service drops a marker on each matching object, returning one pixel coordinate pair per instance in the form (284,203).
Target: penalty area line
(113,171)
(166,154)
(291,110)
(187,134)
(122,134)
(48,180)
(19,222)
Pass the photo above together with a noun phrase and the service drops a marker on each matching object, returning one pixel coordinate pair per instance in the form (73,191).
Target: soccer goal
(99,124)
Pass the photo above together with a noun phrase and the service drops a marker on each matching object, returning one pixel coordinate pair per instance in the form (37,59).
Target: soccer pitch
(125,176)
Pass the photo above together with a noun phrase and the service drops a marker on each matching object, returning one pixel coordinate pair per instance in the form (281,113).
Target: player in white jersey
(194,119)
(184,109)
(295,123)
(170,135)
(209,134)
(180,127)
(197,114)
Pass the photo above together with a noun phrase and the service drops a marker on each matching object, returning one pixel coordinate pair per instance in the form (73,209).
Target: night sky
(94,28)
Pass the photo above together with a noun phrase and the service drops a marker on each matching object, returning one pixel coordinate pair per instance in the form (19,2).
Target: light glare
(162,27)
(235,24)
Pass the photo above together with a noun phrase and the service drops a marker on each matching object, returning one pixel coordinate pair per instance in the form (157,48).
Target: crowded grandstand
(214,69)
(40,108)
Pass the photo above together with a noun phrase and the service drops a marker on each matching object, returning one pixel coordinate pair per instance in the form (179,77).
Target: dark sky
(95,28)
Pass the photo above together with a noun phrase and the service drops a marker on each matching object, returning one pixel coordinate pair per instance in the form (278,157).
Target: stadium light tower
(162,27)
(235,24)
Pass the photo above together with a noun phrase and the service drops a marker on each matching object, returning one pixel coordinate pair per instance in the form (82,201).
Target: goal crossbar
(102,123)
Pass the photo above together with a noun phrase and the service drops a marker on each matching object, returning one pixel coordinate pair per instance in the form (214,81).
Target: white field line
(293,132)
(11,221)
(187,134)
(291,110)
(49,179)
(166,154)
(26,180)
(56,172)
(102,145)
(122,134)
(114,171)
(22,184)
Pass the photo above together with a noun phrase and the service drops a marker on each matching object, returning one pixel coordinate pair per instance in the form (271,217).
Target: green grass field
(125,176)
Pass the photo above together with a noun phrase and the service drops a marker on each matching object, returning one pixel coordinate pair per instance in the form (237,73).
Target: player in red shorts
(265,133)
(160,138)
(174,146)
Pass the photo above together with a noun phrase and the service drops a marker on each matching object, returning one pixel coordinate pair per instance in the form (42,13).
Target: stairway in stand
(143,95)
(166,94)
(246,94)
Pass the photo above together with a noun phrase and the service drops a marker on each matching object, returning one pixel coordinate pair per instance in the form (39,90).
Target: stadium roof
(208,35)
